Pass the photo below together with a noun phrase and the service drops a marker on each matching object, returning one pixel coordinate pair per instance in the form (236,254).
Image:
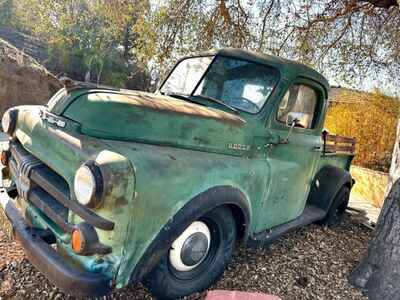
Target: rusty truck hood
(156,119)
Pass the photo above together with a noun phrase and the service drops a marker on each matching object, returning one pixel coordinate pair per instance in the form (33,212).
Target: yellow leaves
(371,118)
(145,43)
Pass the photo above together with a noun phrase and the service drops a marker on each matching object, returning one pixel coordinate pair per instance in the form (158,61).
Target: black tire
(337,210)
(165,282)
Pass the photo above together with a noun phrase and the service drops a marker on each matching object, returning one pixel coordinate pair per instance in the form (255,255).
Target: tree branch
(382,3)
(264,24)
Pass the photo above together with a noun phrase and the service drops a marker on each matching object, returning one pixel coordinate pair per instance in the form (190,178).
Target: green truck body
(165,161)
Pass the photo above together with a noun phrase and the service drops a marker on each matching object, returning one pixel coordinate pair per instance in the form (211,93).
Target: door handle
(269,146)
(318,149)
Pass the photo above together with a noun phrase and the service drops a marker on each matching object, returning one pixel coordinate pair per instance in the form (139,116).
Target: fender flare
(193,209)
(326,184)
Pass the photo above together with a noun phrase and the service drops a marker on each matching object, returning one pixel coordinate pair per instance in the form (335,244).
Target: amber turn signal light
(84,240)
(4,157)
(77,241)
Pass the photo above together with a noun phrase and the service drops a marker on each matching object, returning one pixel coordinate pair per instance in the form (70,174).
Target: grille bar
(46,204)
(47,190)
(41,177)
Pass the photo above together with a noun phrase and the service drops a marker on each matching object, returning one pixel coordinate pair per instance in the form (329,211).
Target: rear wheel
(197,258)
(336,211)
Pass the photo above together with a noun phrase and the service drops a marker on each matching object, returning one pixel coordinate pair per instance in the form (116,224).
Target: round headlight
(88,185)
(5,122)
(9,121)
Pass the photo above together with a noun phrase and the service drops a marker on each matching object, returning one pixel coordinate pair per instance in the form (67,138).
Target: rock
(235,295)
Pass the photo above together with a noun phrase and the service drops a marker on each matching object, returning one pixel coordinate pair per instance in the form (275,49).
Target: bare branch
(264,24)
(382,3)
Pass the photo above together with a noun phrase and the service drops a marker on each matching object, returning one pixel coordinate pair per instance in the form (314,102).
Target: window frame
(278,77)
(318,113)
(179,62)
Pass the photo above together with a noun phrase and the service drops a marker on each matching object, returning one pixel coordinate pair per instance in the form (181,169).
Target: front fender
(195,208)
(167,179)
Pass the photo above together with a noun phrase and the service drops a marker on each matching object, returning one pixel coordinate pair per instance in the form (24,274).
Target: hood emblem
(238,147)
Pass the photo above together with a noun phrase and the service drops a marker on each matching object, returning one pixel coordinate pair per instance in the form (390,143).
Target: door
(296,122)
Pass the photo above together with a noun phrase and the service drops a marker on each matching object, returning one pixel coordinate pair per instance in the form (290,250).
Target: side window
(300,103)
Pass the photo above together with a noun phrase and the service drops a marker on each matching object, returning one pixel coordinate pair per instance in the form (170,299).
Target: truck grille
(48,191)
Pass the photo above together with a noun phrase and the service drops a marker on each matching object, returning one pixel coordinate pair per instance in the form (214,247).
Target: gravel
(310,263)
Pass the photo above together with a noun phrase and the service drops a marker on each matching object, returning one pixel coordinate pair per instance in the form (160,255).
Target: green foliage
(345,40)
(87,39)
(371,118)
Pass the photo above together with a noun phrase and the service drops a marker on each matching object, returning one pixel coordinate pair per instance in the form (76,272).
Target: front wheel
(197,258)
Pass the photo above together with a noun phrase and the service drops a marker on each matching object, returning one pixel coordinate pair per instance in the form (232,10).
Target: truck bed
(340,144)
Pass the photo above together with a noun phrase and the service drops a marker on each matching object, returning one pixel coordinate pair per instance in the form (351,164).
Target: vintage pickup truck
(111,187)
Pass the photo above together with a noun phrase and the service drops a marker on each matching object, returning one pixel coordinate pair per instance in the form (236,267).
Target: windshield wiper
(183,97)
(187,98)
(212,99)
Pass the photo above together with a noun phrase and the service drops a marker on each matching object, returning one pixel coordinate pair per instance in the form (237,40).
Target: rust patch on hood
(168,105)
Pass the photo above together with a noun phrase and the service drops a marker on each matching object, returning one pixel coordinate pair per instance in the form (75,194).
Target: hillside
(22,79)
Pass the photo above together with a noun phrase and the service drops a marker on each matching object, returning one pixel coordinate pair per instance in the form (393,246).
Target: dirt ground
(310,263)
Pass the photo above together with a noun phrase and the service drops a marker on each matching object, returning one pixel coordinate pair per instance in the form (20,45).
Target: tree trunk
(378,274)
(395,165)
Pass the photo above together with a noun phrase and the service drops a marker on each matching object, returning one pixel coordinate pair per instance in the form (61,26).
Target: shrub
(371,119)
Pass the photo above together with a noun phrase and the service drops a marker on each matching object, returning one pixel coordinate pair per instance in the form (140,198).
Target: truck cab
(109,187)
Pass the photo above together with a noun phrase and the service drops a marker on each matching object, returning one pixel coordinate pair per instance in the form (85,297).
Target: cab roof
(288,68)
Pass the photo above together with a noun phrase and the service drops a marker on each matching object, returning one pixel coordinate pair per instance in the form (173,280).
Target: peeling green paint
(160,152)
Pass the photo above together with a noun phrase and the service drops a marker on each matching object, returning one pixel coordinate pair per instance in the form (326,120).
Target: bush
(371,119)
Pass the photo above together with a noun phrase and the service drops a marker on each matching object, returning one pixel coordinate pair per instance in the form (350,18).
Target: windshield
(238,83)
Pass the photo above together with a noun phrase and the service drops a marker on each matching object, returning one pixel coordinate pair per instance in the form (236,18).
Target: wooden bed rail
(337,143)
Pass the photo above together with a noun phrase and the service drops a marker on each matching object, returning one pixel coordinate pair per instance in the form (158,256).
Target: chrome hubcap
(191,247)
(194,249)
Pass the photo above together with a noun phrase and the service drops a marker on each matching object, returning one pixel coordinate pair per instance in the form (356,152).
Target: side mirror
(292,123)
(300,119)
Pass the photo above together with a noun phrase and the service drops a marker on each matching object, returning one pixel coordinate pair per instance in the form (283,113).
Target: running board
(309,215)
